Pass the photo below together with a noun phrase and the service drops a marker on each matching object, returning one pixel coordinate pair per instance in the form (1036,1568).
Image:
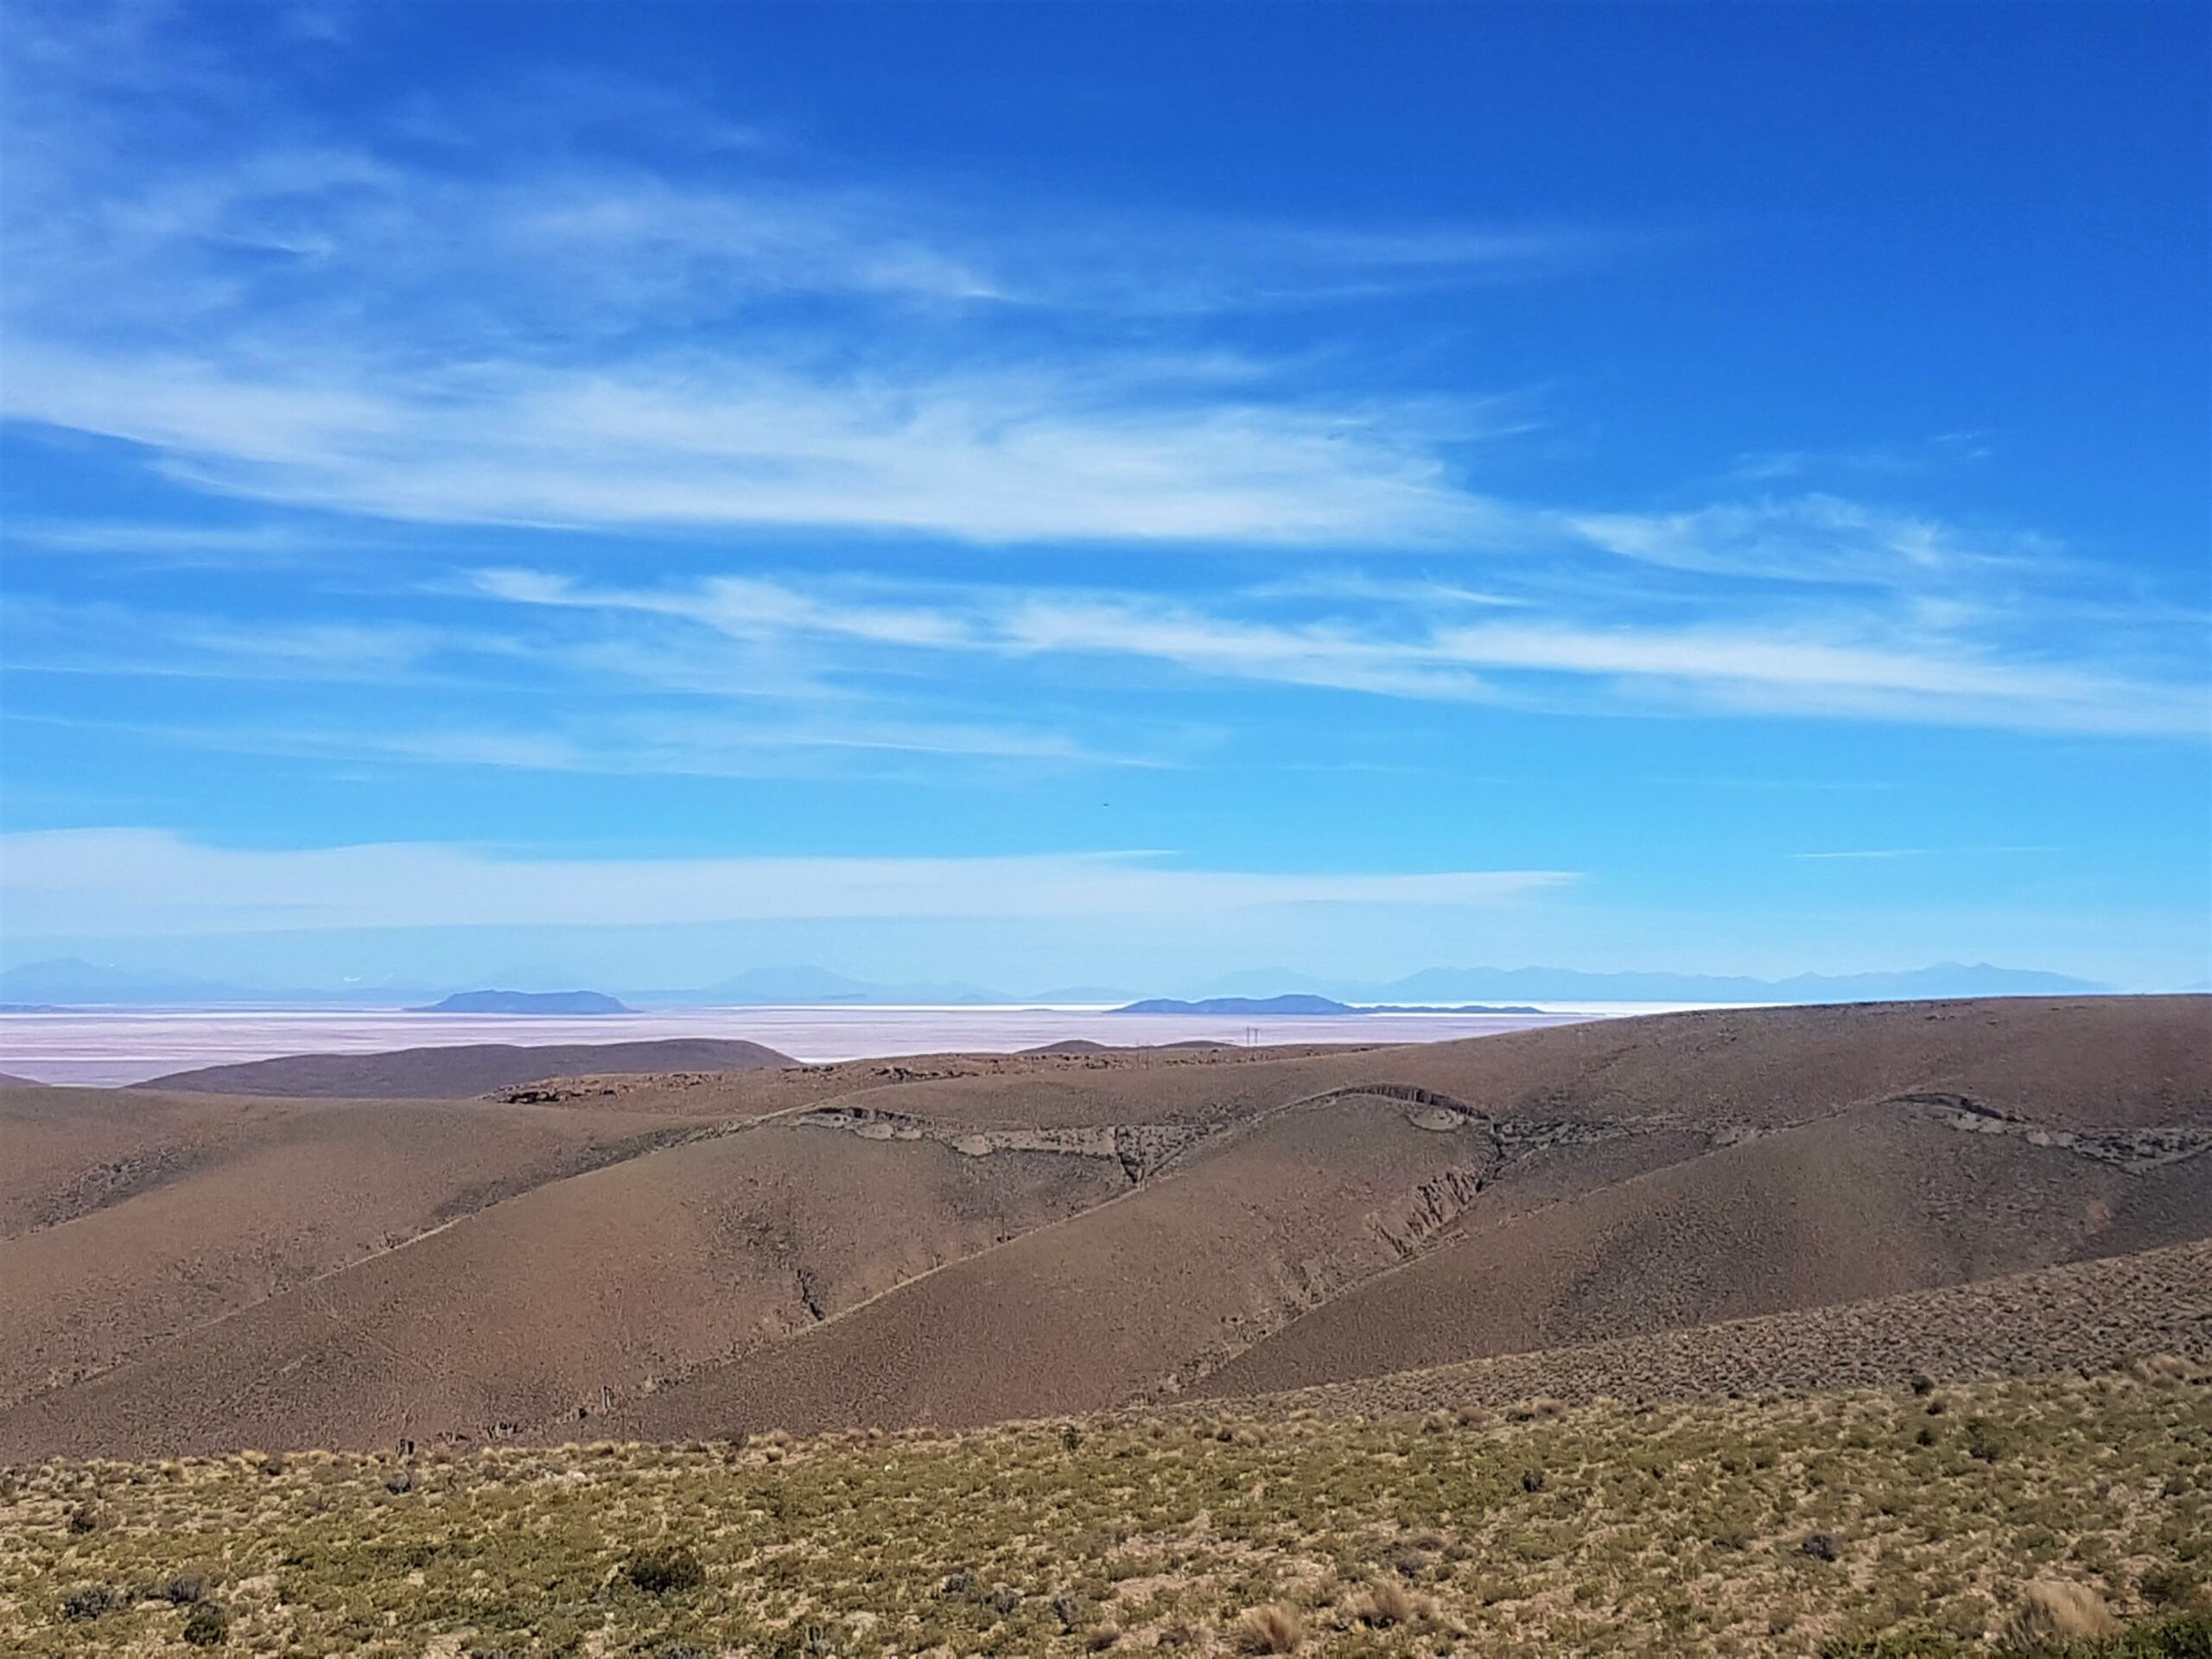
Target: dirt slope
(1134,1298)
(127,1217)
(463,1070)
(1166,1287)
(528,1314)
(1870,1202)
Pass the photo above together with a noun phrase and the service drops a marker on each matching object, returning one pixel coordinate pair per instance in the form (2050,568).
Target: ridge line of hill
(1247,1124)
(305,1287)
(672,1139)
(643,1144)
(1226,1134)
(1459,1230)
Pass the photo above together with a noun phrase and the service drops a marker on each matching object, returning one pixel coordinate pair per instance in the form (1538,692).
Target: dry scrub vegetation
(1900,1522)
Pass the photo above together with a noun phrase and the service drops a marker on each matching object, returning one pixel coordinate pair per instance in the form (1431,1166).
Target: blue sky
(1078,491)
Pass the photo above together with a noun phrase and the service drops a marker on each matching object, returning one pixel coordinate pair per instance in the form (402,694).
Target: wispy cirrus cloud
(1780,667)
(1887,459)
(554,334)
(1071,454)
(777,744)
(1810,538)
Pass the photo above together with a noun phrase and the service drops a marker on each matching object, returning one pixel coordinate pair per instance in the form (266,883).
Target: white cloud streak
(143,882)
(985,455)
(1739,669)
(273,314)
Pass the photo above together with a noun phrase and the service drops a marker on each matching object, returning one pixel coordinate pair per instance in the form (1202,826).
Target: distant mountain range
(1457,985)
(524,1002)
(1276,1005)
(71,983)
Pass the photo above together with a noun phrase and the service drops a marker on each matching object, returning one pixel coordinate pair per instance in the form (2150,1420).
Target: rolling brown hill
(127,1217)
(956,1239)
(1871,1202)
(451,1074)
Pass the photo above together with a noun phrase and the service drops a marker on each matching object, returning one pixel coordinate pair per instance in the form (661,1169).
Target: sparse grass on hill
(1880,1523)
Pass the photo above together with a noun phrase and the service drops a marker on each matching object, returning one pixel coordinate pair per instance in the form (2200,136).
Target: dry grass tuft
(1275,1628)
(1385,1605)
(2058,1609)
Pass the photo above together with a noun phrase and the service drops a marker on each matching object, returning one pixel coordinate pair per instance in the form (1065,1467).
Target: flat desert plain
(113,1046)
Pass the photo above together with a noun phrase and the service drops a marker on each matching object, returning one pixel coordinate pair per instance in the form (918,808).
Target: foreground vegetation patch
(1876,1522)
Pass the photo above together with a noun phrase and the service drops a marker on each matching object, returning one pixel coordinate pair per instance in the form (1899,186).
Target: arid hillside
(956,1240)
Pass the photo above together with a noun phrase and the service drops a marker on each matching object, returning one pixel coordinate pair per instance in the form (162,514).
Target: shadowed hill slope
(463,1070)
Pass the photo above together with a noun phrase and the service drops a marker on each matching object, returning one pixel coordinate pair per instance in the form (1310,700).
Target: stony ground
(1810,1524)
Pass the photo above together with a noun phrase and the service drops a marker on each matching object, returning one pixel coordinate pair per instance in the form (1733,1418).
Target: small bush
(84,1518)
(1822,1546)
(805,1640)
(209,1625)
(658,1571)
(90,1601)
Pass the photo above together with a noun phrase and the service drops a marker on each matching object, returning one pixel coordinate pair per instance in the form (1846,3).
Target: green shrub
(209,1625)
(90,1601)
(658,1571)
